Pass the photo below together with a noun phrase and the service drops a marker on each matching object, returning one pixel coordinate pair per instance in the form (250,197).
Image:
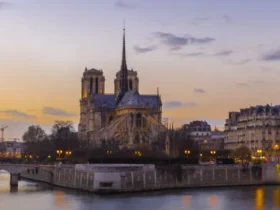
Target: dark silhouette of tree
(242,152)
(34,134)
(64,136)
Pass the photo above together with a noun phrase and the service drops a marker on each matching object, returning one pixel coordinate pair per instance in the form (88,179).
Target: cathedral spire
(124,71)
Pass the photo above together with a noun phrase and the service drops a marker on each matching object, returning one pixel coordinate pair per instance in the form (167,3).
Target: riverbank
(139,178)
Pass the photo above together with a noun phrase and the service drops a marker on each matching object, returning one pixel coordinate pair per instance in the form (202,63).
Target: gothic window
(90,84)
(131,120)
(138,120)
(96,85)
(130,84)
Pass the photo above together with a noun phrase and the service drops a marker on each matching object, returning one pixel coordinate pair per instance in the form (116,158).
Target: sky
(206,57)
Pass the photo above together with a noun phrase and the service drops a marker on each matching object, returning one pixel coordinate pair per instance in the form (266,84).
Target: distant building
(257,127)
(11,149)
(216,141)
(201,133)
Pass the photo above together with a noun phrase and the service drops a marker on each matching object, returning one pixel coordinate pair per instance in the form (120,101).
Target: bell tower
(93,82)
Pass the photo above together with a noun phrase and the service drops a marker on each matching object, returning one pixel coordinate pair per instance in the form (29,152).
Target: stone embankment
(129,178)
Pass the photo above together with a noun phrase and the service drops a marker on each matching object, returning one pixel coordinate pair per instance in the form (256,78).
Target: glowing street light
(59,152)
(187,152)
(68,153)
(212,152)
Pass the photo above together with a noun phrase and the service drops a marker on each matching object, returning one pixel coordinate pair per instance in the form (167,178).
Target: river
(37,196)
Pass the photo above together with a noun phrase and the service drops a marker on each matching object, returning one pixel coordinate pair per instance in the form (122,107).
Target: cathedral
(125,116)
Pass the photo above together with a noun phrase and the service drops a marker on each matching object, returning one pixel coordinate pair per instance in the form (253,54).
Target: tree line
(39,145)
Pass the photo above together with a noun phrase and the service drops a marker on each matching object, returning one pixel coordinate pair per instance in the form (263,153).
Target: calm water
(33,196)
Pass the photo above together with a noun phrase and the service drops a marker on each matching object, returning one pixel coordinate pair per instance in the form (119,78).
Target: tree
(242,152)
(34,134)
(64,136)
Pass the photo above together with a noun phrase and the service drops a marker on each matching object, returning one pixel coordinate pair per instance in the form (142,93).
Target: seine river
(34,196)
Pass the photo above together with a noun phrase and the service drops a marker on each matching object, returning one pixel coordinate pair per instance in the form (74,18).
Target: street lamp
(109,152)
(187,152)
(68,153)
(59,152)
(212,152)
(138,153)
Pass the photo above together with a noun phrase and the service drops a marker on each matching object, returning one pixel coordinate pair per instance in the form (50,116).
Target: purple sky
(206,57)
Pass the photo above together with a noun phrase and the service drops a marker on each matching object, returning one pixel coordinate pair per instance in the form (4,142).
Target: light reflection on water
(33,196)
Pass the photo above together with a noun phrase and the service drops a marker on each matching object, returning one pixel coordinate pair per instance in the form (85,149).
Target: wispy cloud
(17,114)
(4,4)
(240,62)
(199,20)
(176,104)
(242,84)
(227,18)
(174,42)
(124,4)
(224,53)
(57,112)
(272,56)
(138,49)
(196,54)
(258,81)
(199,90)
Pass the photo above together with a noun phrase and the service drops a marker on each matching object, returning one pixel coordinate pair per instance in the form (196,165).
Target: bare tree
(64,136)
(34,134)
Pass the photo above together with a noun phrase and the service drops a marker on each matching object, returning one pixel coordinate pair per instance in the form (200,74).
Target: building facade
(125,116)
(256,127)
(11,149)
(206,139)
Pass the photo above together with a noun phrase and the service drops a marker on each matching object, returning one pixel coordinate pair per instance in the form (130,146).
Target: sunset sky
(206,57)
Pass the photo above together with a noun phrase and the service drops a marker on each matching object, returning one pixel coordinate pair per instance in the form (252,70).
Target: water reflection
(276,195)
(33,196)
(259,199)
(60,200)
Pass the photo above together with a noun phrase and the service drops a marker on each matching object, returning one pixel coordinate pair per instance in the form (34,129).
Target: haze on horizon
(206,57)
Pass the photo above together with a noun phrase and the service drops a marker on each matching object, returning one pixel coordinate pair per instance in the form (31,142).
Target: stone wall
(150,178)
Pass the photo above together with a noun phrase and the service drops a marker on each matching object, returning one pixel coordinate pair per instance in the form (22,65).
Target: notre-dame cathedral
(125,116)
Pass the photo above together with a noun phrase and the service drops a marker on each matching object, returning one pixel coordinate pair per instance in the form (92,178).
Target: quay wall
(126,178)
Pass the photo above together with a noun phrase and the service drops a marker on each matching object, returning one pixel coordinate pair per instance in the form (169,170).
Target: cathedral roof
(108,100)
(132,98)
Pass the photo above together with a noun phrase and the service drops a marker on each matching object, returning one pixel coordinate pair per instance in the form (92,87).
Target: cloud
(198,20)
(177,104)
(195,54)
(224,53)
(242,84)
(16,113)
(189,54)
(175,42)
(272,56)
(241,62)
(258,81)
(124,4)
(199,90)
(57,112)
(227,18)
(138,49)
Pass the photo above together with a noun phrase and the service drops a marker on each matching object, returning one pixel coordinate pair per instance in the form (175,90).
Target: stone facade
(123,178)
(201,133)
(257,127)
(125,117)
